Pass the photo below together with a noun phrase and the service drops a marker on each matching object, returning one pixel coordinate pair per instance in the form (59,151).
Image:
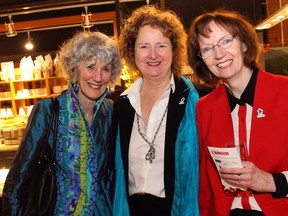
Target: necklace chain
(151,152)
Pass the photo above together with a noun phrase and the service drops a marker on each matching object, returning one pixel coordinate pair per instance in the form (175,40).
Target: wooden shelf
(8,148)
(31,97)
(23,93)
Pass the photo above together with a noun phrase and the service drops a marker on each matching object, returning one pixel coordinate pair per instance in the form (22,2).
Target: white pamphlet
(229,158)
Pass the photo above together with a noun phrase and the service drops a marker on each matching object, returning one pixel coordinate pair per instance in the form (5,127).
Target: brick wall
(278,35)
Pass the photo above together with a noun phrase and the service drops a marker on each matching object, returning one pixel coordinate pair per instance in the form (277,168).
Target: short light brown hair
(236,24)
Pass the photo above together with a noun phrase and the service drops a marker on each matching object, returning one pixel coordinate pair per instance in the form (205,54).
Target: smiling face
(227,64)
(93,78)
(153,53)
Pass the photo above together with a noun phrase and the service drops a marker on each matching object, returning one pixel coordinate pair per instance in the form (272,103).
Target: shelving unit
(5,94)
(16,94)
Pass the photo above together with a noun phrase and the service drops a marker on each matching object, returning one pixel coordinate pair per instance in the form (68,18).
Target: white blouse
(146,177)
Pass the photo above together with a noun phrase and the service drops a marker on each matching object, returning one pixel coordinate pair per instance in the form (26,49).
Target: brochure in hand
(229,158)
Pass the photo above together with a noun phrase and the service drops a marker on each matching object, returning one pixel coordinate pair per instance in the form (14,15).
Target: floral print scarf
(76,157)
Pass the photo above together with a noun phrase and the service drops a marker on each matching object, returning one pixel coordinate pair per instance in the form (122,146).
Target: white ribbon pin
(182,101)
(260,113)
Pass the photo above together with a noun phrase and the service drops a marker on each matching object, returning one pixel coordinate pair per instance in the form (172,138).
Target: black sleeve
(281,185)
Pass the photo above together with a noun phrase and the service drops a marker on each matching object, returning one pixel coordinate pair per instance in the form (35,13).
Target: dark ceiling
(188,9)
(48,41)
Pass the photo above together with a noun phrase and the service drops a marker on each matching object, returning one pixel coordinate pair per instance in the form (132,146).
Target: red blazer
(268,142)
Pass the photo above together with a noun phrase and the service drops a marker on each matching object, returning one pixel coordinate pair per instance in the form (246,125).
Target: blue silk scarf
(76,157)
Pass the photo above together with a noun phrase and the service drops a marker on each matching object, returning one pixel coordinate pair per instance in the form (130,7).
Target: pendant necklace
(151,152)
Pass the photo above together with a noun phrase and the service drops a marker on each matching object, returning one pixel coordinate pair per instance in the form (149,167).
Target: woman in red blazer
(250,107)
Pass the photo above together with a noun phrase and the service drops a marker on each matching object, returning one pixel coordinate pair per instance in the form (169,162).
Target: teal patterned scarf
(76,156)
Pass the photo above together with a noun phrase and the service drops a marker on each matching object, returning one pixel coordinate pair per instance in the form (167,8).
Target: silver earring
(210,76)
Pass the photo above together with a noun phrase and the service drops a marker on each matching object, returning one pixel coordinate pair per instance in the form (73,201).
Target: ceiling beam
(47,6)
(33,25)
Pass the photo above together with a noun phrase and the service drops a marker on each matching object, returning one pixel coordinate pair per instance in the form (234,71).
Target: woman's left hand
(249,176)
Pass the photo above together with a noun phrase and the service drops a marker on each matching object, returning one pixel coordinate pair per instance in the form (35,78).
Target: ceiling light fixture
(86,19)
(273,19)
(29,45)
(10,31)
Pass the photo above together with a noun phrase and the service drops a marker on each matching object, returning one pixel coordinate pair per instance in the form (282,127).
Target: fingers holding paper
(249,176)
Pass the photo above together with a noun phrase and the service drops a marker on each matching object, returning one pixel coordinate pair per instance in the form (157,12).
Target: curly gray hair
(86,46)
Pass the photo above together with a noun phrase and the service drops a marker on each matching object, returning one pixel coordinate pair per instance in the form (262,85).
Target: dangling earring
(76,87)
(244,48)
(210,76)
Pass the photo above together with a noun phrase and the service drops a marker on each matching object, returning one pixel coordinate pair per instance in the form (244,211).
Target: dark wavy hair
(166,21)
(236,24)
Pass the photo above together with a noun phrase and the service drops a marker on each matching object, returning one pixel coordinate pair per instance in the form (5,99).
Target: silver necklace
(151,152)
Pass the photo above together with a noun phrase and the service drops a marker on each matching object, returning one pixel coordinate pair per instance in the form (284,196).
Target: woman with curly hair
(157,143)
(84,149)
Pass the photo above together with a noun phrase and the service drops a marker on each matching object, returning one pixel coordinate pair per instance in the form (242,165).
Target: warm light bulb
(29,45)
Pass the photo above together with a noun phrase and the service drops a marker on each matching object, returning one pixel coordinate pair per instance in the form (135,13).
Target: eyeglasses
(208,50)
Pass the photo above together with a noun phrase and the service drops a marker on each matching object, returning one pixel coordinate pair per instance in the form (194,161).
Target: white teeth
(153,63)
(94,86)
(224,64)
